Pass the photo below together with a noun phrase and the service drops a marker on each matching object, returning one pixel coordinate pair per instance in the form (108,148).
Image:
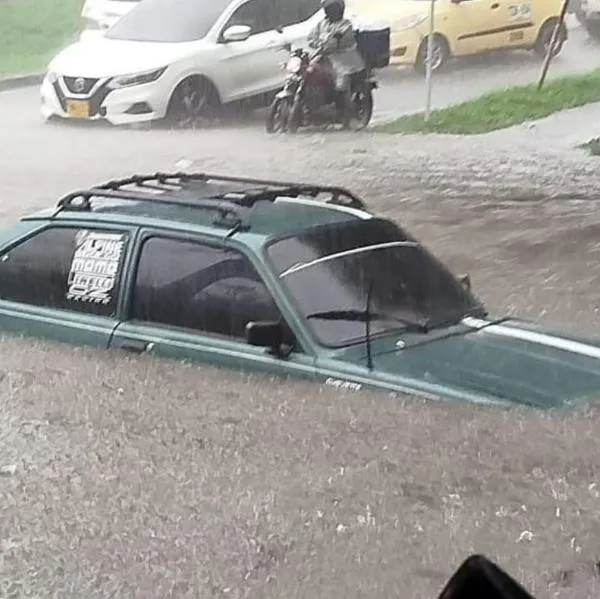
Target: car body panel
(492,361)
(511,362)
(54,325)
(470,27)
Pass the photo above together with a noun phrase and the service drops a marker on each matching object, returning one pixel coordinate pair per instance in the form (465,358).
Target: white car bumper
(97,101)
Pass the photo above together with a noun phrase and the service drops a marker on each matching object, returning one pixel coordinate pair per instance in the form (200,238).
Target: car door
(519,17)
(191,299)
(63,282)
(253,65)
(478,25)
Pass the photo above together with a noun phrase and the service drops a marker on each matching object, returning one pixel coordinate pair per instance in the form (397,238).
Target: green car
(274,277)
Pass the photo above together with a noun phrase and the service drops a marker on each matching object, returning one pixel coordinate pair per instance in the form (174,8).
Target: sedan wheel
(193,105)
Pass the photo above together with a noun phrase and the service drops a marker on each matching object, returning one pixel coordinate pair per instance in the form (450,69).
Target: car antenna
(368,325)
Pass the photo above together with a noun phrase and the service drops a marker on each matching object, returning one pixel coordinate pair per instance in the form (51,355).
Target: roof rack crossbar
(225,209)
(164,178)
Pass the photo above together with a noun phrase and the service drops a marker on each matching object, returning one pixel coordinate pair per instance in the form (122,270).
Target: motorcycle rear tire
(277,111)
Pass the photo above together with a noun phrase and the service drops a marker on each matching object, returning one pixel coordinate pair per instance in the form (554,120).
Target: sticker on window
(517,13)
(95,266)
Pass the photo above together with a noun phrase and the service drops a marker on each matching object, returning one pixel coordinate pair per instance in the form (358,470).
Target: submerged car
(177,59)
(464,27)
(283,278)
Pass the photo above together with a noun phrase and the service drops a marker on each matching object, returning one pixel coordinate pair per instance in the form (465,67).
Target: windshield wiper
(355,315)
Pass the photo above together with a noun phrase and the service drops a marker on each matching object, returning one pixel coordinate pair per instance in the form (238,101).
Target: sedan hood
(102,57)
(514,361)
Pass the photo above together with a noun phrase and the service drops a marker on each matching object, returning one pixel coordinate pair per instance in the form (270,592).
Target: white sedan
(177,59)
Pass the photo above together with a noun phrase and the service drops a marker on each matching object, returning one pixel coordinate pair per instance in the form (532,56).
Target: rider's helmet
(334,9)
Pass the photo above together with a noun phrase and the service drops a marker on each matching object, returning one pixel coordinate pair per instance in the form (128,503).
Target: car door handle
(136,346)
(495,5)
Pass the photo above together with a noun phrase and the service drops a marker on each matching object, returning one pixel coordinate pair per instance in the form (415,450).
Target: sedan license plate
(78,109)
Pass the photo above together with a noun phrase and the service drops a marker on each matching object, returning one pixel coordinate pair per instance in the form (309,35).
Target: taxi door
(521,22)
(478,25)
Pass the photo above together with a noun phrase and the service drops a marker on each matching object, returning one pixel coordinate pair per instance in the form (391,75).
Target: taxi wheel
(194,104)
(441,54)
(545,37)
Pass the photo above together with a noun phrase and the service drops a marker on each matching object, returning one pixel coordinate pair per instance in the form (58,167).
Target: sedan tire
(194,104)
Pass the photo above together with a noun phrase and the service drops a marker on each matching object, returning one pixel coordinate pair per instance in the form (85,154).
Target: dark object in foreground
(478,577)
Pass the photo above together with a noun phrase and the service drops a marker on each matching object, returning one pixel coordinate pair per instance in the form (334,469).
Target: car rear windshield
(330,269)
(168,21)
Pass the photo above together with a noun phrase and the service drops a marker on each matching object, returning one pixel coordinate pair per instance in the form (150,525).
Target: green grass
(31,31)
(505,108)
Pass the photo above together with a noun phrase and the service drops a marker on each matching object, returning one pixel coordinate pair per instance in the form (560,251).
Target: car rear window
(168,21)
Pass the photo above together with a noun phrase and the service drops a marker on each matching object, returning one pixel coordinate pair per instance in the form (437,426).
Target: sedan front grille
(95,101)
(79,85)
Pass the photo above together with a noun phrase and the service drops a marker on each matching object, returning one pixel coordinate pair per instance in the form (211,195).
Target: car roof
(216,205)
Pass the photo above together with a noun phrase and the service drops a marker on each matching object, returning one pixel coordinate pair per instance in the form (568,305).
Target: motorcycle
(309,97)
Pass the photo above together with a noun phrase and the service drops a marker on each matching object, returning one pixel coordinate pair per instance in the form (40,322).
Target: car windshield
(168,21)
(328,272)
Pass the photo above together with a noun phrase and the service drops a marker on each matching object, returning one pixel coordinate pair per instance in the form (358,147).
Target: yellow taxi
(463,27)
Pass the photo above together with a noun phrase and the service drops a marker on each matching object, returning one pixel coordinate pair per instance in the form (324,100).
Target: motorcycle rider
(334,36)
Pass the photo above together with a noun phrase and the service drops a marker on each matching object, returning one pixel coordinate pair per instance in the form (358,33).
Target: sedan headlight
(408,22)
(137,78)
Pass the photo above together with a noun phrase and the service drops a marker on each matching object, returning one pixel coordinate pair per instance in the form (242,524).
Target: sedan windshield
(168,21)
(330,272)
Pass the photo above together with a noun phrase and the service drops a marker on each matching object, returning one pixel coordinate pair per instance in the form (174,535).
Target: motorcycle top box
(374,45)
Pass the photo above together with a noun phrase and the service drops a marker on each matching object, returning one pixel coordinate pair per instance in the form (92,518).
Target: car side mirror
(465,281)
(237,33)
(265,333)
(477,576)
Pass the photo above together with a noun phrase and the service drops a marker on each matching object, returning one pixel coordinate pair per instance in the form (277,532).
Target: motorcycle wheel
(295,118)
(278,116)
(363,109)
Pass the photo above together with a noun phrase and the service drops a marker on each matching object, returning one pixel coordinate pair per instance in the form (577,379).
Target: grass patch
(505,108)
(31,31)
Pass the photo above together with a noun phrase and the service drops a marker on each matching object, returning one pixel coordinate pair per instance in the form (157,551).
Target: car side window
(66,268)
(191,285)
(257,14)
(291,12)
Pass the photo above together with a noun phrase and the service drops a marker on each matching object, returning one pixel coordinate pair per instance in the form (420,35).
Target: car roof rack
(219,193)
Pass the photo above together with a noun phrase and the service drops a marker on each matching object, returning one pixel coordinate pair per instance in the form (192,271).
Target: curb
(21,81)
